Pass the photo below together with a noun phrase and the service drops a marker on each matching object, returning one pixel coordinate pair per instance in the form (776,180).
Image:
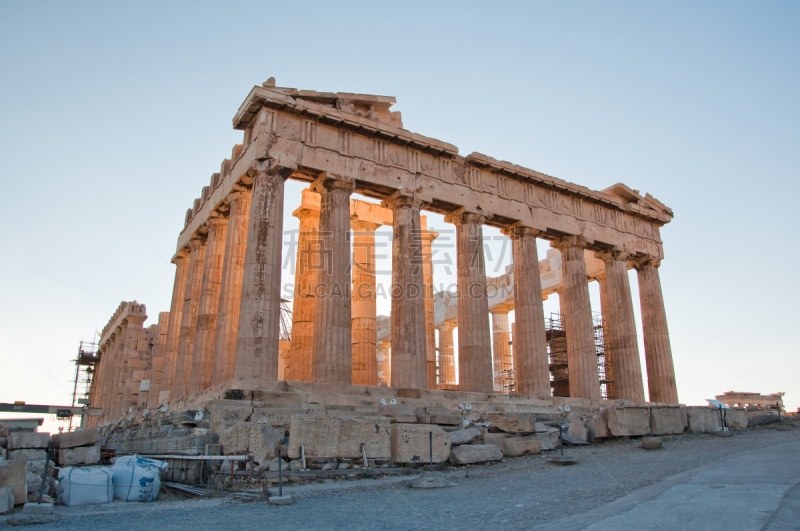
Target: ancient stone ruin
(221,350)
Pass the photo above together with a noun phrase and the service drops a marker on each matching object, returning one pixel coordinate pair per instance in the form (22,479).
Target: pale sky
(113,116)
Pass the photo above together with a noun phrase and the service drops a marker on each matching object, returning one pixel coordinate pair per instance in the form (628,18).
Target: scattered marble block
(37,508)
(475,453)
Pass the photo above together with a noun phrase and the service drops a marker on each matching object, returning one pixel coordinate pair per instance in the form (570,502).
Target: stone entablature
(311,138)
(124,310)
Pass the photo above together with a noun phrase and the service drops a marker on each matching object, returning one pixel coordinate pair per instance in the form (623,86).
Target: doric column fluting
(257,344)
(619,318)
(230,295)
(136,358)
(531,368)
(584,381)
(181,262)
(112,357)
(364,320)
(409,344)
(501,344)
(657,350)
(301,352)
(474,337)
(208,307)
(106,379)
(447,355)
(333,350)
(191,303)
(157,362)
(430,319)
(118,368)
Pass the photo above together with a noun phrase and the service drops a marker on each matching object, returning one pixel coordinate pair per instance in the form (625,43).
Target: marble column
(430,319)
(409,344)
(191,302)
(110,373)
(157,362)
(619,318)
(384,358)
(257,344)
(531,368)
(207,311)
(447,357)
(501,344)
(657,351)
(474,337)
(118,368)
(181,262)
(333,349)
(584,381)
(132,363)
(301,352)
(138,361)
(230,295)
(106,379)
(365,332)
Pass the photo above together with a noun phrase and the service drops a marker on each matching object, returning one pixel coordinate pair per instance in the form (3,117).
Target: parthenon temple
(228,332)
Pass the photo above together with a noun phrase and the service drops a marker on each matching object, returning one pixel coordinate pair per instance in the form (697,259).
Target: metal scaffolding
(556,333)
(84,372)
(286,320)
(602,347)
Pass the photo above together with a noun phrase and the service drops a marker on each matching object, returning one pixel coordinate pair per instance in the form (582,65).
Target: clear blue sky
(114,115)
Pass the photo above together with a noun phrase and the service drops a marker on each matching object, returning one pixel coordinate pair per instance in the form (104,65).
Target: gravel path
(516,494)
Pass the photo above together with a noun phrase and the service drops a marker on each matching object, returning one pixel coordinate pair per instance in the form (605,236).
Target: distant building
(733,398)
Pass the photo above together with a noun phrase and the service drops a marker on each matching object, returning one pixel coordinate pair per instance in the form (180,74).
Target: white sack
(84,486)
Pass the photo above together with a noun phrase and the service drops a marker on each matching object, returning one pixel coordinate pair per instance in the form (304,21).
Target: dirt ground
(518,493)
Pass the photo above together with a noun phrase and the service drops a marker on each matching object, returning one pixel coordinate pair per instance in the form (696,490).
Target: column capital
(570,242)
(358,224)
(429,235)
(269,166)
(237,193)
(644,262)
(401,198)
(331,182)
(517,231)
(612,255)
(462,216)
(215,219)
(181,257)
(196,242)
(501,309)
(304,213)
(135,319)
(447,325)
